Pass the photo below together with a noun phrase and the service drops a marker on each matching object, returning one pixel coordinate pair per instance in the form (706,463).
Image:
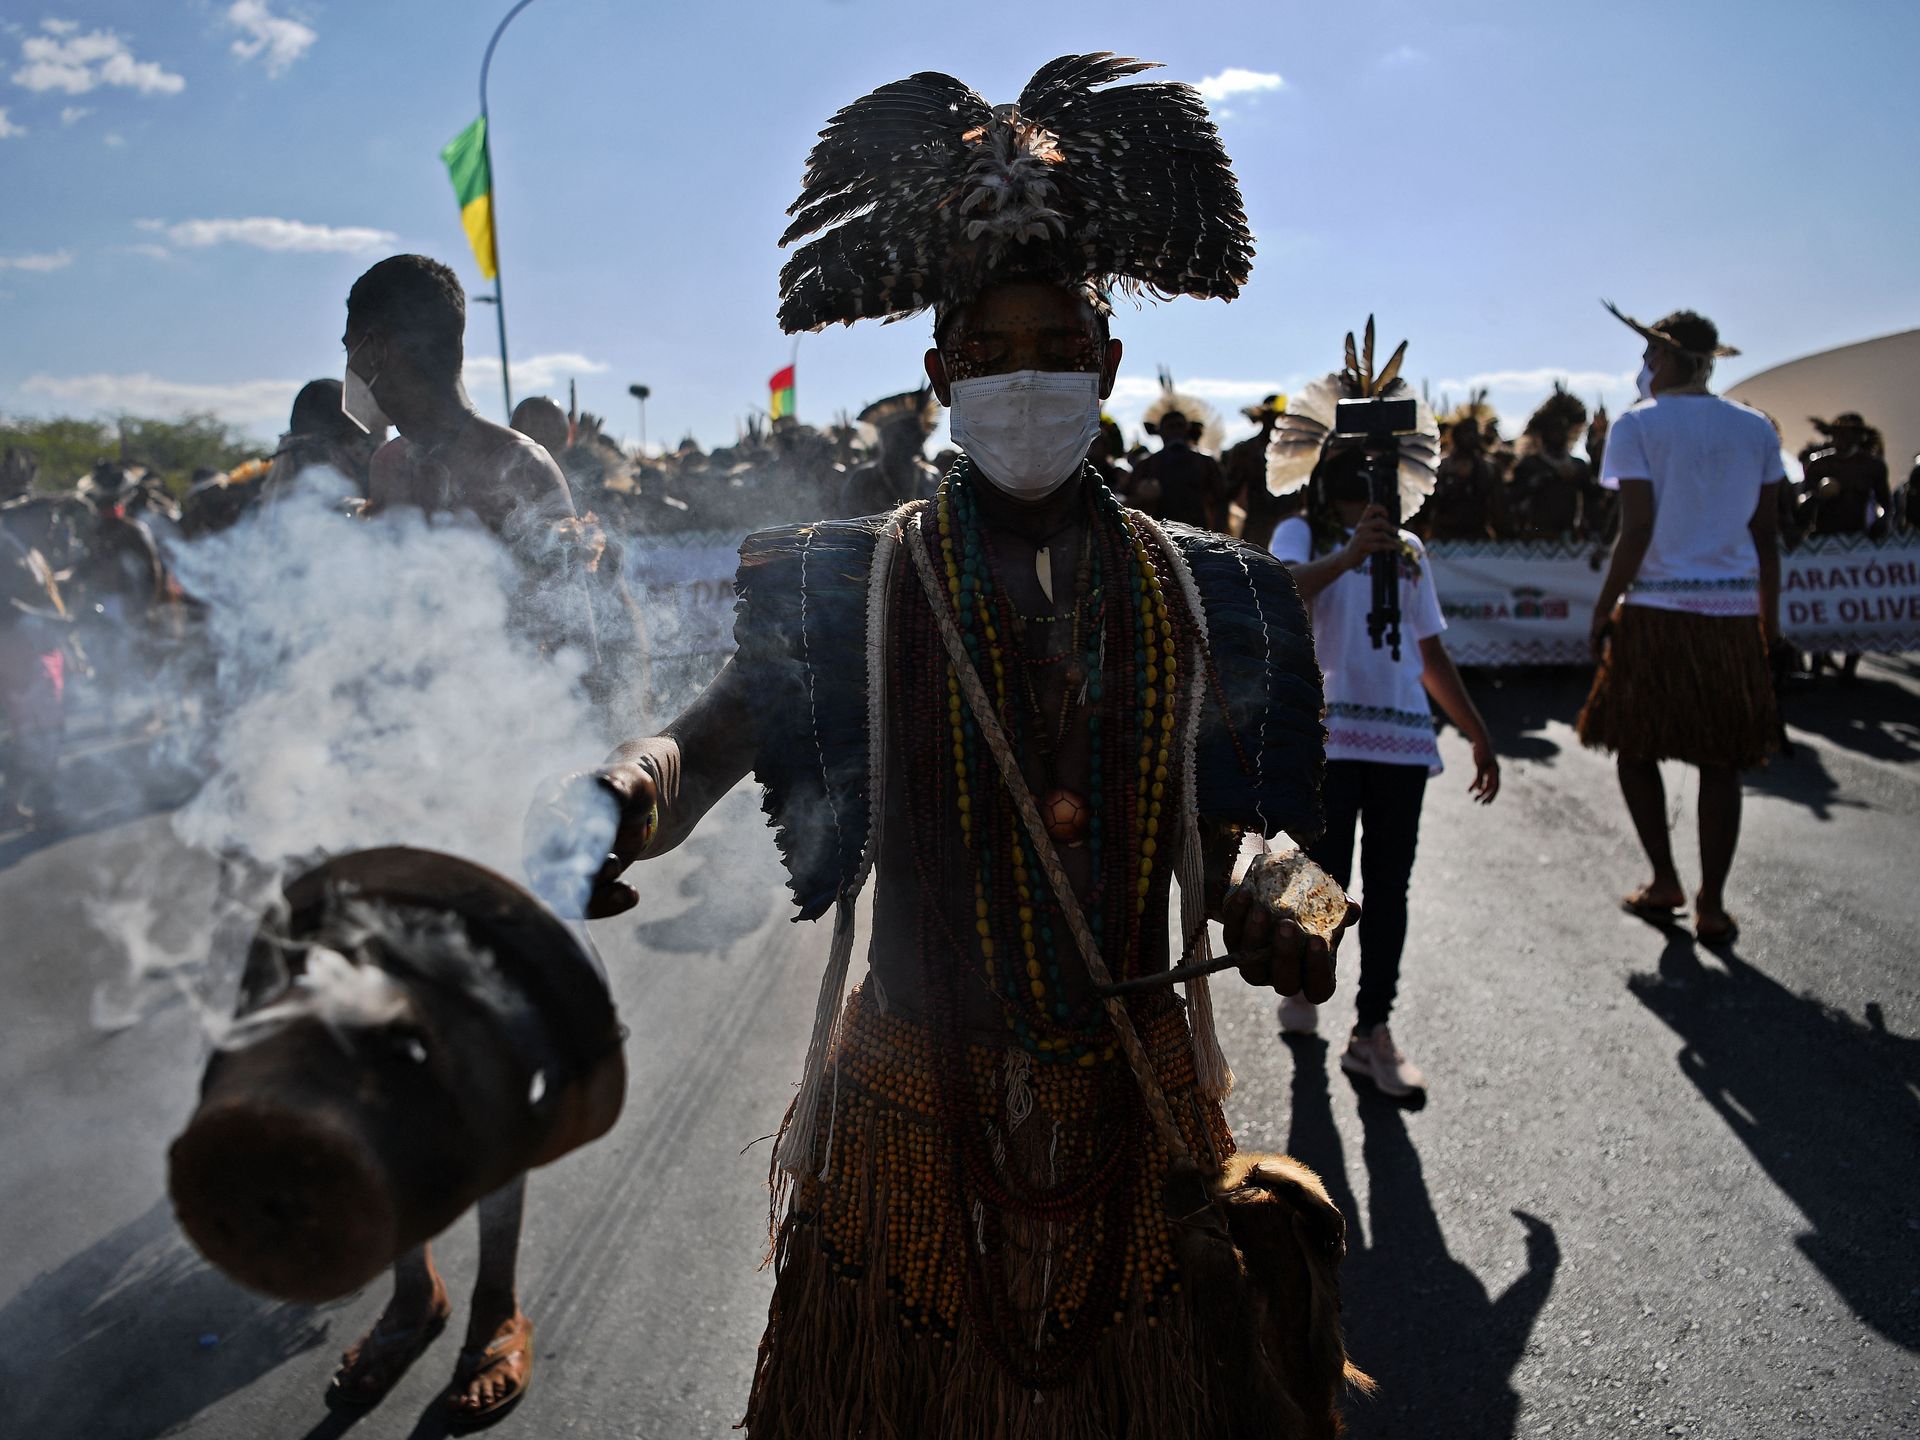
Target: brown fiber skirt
(1678,686)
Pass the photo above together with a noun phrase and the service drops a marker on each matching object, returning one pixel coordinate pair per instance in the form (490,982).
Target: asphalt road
(1655,1190)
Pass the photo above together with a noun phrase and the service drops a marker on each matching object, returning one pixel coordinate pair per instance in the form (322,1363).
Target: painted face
(1024,327)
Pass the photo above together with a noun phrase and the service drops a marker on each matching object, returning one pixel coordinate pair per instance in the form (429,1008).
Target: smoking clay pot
(413,1031)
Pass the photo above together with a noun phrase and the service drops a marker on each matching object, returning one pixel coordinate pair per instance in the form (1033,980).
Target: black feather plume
(922,193)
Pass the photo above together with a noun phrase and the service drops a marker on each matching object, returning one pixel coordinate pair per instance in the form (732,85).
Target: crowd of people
(1025,686)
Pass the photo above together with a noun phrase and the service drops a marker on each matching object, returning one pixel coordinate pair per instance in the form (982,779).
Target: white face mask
(357,402)
(1027,431)
(1643,382)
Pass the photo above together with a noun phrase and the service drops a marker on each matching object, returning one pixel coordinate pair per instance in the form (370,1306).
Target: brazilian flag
(466,160)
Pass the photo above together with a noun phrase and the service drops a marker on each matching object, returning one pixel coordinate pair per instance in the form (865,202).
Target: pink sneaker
(1298,1016)
(1372,1055)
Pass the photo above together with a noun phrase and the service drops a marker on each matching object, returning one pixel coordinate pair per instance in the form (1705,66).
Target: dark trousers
(1384,800)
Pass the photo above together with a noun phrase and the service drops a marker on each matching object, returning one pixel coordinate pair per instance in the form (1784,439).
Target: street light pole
(640,393)
(493,208)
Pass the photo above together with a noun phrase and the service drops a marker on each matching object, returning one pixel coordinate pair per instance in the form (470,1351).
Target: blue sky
(192,185)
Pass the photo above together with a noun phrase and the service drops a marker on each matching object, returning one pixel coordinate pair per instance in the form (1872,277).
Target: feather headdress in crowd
(1683,330)
(921,194)
(1301,434)
(1476,412)
(1562,407)
(1208,431)
(911,407)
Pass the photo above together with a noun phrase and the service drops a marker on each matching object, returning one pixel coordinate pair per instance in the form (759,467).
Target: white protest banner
(1525,603)
(683,584)
(1517,602)
(1845,592)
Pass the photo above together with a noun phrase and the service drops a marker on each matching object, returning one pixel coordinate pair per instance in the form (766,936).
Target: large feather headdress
(1208,431)
(921,194)
(1301,434)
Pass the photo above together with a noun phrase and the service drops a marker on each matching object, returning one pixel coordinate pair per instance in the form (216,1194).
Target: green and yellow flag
(465,157)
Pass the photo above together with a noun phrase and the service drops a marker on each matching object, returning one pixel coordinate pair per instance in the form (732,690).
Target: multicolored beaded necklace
(1129,709)
(963,830)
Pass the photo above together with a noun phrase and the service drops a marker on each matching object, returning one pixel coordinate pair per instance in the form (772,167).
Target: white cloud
(59,27)
(79,63)
(152,252)
(1541,380)
(1235,81)
(279,39)
(113,139)
(532,372)
(74,114)
(7,128)
(265,232)
(55,260)
(244,402)
(1404,57)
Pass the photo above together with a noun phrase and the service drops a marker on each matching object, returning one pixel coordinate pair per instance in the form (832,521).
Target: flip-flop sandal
(514,1341)
(1717,934)
(1638,904)
(386,1353)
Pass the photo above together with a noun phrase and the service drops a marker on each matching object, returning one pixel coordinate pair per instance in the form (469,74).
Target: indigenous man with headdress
(1180,482)
(1847,493)
(1246,470)
(1466,502)
(1544,493)
(1380,738)
(1008,1185)
(1689,609)
(898,472)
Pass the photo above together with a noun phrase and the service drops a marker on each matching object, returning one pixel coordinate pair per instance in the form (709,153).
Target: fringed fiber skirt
(882,1324)
(1679,686)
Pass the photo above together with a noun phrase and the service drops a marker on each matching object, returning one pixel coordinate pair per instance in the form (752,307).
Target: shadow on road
(1803,778)
(135,1335)
(1825,1102)
(1873,715)
(722,909)
(1419,1321)
(1519,705)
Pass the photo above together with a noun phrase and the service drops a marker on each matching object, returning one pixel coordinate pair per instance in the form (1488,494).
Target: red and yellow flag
(465,157)
(780,403)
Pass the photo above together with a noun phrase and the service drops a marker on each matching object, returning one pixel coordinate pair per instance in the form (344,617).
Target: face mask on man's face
(1643,382)
(1027,431)
(357,401)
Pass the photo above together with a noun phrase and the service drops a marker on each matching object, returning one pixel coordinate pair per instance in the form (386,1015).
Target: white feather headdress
(1302,433)
(1209,431)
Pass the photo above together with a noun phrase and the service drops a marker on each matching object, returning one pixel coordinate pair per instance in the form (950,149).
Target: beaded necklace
(964,835)
(1127,659)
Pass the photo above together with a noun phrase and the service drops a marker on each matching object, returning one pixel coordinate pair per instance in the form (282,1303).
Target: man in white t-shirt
(1689,609)
(1380,738)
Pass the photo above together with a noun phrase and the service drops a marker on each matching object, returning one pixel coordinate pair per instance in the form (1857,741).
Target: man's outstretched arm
(662,785)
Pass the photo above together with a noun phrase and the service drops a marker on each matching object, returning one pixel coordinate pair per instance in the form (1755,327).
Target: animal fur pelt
(922,193)
(1276,1260)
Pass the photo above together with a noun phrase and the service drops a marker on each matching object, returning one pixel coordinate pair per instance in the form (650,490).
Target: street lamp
(640,393)
(493,209)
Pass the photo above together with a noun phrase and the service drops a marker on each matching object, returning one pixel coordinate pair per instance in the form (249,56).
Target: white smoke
(371,682)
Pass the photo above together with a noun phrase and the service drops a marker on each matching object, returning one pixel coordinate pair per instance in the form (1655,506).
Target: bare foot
(374,1363)
(492,1376)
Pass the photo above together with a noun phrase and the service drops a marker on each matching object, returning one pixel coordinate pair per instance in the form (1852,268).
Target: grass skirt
(1679,686)
(871,1332)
